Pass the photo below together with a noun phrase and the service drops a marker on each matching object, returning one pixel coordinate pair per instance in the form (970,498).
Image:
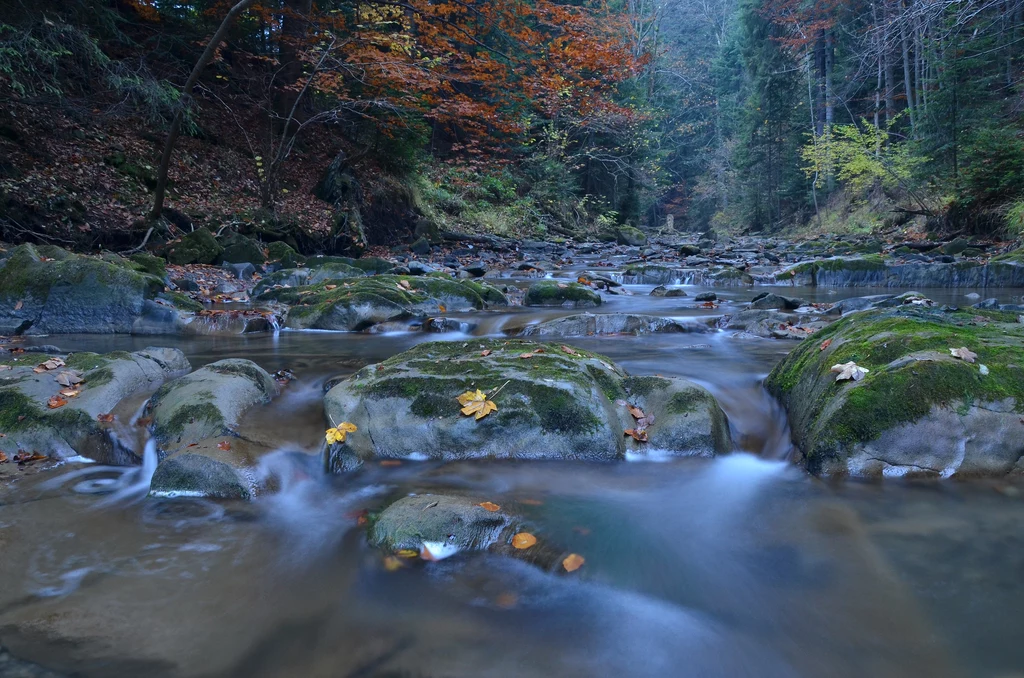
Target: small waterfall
(122,484)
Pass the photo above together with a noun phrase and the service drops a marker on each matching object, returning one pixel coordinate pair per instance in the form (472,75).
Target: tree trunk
(294,27)
(186,96)
(908,85)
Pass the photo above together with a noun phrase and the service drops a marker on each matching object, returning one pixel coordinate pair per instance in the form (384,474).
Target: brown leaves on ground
(56,401)
(569,351)
(489,506)
(485,353)
(105,418)
(69,378)
(849,371)
(825,344)
(23,457)
(573,562)
(639,435)
(405,284)
(963,353)
(475,404)
(51,364)
(224,445)
(523,540)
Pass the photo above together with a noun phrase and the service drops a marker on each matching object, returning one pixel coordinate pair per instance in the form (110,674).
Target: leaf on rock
(338,434)
(566,349)
(526,356)
(963,353)
(485,353)
(3,458)
(637,434)
(489,506)
(224,445)
(69,378)
(404,284)
(476,404)
(17,306)
(51,364)
(70,393)
(56,401)
(573,562)
(635,411)
(105,418)
(442,308)
(330,287)
(523,540)
(850,370)
(825,344)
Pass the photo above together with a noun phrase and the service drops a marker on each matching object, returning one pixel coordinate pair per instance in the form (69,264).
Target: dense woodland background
(343,124)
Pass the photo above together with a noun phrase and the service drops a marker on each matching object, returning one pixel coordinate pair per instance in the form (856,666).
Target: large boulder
(589,324)
(566,295)
(208,402)
(47,290)
(770,324)
(297,277)
(73,429)
(197,247)
(918,410)
(628,235)
(239,249)
(874,271)
(359,304)
(554,402)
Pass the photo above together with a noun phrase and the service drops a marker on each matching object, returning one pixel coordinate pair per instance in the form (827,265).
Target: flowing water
(736,566)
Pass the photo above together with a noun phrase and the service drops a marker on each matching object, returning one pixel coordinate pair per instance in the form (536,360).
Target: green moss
(551,293)
(1013,257)
(181,301)
(17,411)
(192,413)
(27,276)
(85,361)
(685,402)
(283,254)
(147,263)
(242,368)
(645,386)
(198,247)
(610,385)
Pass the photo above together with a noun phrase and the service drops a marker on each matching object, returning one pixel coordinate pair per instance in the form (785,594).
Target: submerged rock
(770,324)
(359,304)
(769,300)
(47,290)
(587,324)
(459,523)
(919,410)
(566,295)
(552,403)
(30,424)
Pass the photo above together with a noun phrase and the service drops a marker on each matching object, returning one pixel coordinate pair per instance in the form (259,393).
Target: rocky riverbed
(448,379)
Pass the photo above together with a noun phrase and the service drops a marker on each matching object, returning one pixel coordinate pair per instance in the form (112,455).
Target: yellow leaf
(392,563)
(337,435)
(407,553)
(573,562)
(523,540)
(472,396)
(475,403)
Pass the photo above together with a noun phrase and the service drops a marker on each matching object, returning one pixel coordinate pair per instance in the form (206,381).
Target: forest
(347,124)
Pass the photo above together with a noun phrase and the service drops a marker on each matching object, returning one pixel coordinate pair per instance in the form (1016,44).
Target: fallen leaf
(583,280)
(531,502)
(330,287)
(3,458)
(637,434)
(51,364)
(27,457)
(485,353)
(404,284)
(523,540)
(825,344)
(390,462)
(70,393)
(338,434)
(391,564)
(17,306)
(636,412)
(68,378)
(963,353)
(573,562)
(850,370)
(105,418)
(475,403)
(489,506)
(407,553)
(224,445)
(56,401)
(442,308)
(566,349)
(525,356)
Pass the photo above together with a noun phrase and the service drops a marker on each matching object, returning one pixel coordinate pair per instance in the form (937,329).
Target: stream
(743,565)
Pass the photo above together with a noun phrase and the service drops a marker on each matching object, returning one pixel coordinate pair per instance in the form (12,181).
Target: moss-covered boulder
(359,304)
(731,277)
(29,423)
(282,254)
(552,403)
(197,247)
(368,265)
(650,274)
(566,295)
(874,271)
(208,402)
(627,235)
(297,277)
(147,263)
(590,324)
(47,290)
(919,410)
(238,249)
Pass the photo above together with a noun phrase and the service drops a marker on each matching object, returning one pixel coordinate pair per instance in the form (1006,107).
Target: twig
(143,245)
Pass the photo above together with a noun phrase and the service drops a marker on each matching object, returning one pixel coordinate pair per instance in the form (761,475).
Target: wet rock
(208,402)
(685,417)
(566,295)
(731,277)
(769,324)
(552,404)
(858,304)
(73,429)
(649,274)
(873,271)
(627,235)
(420,268)
(918,411)
(47,290)
(368,265)
(689,250)
(706,296)
(190,474)
(457,523)
(147,263)
(238,249)
(956,246)
(198,247)
(420,247)
(243,271)
(588,324)
(478,270)
(662,291)
(359,304)
(297,277)
(283,255)
(769,300)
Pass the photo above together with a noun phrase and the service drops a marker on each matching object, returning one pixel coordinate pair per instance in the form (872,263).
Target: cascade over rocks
(587,324)
(919,411)
(552,404)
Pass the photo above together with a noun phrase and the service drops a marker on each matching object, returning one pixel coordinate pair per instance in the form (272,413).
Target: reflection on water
(737,566)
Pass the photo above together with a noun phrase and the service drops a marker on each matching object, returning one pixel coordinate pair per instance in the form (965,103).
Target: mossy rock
(73,429)
(147,263)
(47,290)
(208,402)
(731,277)
(649,274)
(368,265)
(590,324)
(359,304)
(273,287)
(238,249)
(566,295)
(1012,257)
(282,253)
(552,404)
(919,410)
(198,247)
(189,474)
(627,235)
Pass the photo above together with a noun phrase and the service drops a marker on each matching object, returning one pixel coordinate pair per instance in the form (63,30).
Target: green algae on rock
(919,411)
(566,295)
(552,404)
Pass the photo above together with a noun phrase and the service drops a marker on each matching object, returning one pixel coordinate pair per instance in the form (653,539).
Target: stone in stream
(769,324)
(769,300)
(627,235)
(191,413)
(239,249)
(47,290)
(706,296)
(919,410)
(874,271)
(670,292)
(553,404)
(361,303)
(29,424)
(566,295)
(588,324)
(198,247)
(298,277)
